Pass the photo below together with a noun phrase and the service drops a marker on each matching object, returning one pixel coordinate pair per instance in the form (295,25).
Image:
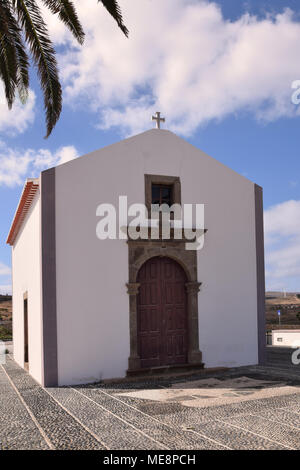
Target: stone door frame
(141,251)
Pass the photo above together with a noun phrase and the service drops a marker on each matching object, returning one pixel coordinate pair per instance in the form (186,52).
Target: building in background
(290,338)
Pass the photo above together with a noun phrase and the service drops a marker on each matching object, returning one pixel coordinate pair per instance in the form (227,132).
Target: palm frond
(43,54)
(68,15)
(8,65)
(22,63)
(24,16)
(14,61)
(8,79)
(22,70)
(113,8)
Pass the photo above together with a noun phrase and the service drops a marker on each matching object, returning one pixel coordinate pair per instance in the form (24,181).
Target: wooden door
(162,313)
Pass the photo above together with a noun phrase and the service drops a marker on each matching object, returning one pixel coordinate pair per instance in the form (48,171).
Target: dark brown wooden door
(162,313)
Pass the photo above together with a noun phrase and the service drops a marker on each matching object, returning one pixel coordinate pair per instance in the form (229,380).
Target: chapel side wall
(26,262)
(92,302)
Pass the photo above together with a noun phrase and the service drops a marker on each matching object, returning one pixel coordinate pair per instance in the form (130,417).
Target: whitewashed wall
(26,261)
(92,303)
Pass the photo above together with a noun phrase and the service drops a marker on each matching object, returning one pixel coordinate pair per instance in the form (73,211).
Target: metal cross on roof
(158,119)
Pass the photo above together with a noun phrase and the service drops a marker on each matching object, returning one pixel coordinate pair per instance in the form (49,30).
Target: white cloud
(5,279)
(19,117)
(16,165)
(65,154)
(182,58)
(282,241)
(4,270)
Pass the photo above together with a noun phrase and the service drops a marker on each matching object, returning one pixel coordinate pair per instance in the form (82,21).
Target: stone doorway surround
(139,252)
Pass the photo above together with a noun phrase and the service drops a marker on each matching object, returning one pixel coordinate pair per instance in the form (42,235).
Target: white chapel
(87,309)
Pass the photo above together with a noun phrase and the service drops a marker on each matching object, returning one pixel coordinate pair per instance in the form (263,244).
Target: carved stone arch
(187,261)
(140,251)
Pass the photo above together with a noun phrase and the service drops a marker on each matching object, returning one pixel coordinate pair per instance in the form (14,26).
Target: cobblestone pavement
(245,408)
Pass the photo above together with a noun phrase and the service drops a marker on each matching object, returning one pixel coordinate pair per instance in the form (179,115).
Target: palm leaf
(67,14)
(18,16)
(13,57)
(22,63)
(42,51)
(22,69)
(8,78)
(113,8)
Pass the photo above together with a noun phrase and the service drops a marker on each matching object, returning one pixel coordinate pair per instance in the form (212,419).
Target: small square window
(161,194)
(161,189)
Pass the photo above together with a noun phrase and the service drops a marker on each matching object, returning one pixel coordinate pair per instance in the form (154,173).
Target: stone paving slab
(17,429)
(281,434)
(282,416)
(236,439)
(110,416)
(213,392)
(115,433)
(211,418)
(295,407)
(189,417)
(63,431)
(173,437)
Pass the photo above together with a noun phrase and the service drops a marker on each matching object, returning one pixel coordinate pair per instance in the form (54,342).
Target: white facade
(92,304)
(289,338)
(26,274)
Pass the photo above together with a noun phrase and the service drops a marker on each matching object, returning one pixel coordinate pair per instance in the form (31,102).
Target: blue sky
(221,73)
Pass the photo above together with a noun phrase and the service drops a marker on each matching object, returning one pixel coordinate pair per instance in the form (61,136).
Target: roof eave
(28,194)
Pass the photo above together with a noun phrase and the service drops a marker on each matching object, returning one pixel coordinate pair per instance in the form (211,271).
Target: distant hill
(5,308)
(289,306)
(5,297)
(275,294)
(5,317)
